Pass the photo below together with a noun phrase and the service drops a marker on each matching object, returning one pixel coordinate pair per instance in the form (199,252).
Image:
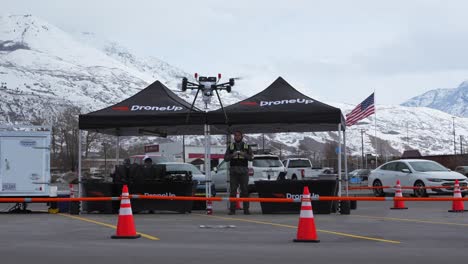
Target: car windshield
(424,166)
(299,164)
(362,172)
(267,162)
(183,167)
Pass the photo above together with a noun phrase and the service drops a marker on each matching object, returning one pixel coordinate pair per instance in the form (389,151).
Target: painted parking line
(409,220)
(107,225)
(290,226)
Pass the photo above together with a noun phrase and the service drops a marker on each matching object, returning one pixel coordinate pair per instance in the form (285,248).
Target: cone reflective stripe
(125,223)
(306,231)
(306,208)
(398,204)
(209,207)
(457,206)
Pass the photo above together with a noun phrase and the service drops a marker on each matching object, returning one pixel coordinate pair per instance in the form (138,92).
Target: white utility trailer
(25,163)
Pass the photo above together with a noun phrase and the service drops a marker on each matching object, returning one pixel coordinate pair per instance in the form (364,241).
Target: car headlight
(435,180)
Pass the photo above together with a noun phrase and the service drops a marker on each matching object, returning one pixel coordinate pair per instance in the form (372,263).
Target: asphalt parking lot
(373,233)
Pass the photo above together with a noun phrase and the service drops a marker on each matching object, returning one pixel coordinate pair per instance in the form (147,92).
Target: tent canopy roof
(156,110)
(278,108)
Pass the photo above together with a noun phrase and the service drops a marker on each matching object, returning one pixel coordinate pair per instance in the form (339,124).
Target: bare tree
(90,139)
(330,154)
(67,134)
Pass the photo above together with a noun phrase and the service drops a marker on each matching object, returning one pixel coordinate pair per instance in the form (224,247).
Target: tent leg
(80,187)
(228,176)
(207,163)
(339,160)
(345,163)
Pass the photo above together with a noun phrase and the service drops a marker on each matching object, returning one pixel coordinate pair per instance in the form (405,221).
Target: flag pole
(375,132)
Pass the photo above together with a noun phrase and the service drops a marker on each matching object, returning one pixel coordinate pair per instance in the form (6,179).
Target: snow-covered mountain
(453,101)
(44,69)
(400,127)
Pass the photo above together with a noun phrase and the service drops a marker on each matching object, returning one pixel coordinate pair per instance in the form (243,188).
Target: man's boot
(232,212)
(246,211)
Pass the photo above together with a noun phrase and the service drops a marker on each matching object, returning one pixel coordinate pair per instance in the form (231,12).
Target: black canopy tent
(158,111)
(281,108)
(155,110)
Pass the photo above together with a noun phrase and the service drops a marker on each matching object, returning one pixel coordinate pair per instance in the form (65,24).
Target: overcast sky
(337,51)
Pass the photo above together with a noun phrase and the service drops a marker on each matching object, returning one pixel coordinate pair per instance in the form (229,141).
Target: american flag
(362,110)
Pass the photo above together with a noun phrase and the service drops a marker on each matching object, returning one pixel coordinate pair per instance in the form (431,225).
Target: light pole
(104,145)
(362,148)
(461,144)
(280,149)
(454,139)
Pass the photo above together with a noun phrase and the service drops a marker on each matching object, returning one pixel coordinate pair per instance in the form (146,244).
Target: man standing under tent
(238,154)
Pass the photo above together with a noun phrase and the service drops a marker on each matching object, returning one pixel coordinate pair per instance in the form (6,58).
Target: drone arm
(224,84)
(188,85)
(191,85)
(221,103)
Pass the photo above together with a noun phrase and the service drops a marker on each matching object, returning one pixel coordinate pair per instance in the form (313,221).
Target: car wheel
(294,177)
(420,192)
(378,192)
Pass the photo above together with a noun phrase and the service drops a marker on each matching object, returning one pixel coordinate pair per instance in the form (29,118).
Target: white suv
(263,167)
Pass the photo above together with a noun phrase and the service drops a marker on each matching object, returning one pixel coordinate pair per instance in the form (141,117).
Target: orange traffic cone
(457,206)
(306,231)
(209,207)
(125,224)
(238,203)
(398,204)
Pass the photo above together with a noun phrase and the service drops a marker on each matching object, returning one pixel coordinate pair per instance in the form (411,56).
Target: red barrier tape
(219,199)
(403,187)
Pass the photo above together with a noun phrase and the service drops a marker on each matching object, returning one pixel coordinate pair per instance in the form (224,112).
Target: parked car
(359,174)
(317,171)
(299,168)
(462,169)
(157,159)
(263,167)
(417,173)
